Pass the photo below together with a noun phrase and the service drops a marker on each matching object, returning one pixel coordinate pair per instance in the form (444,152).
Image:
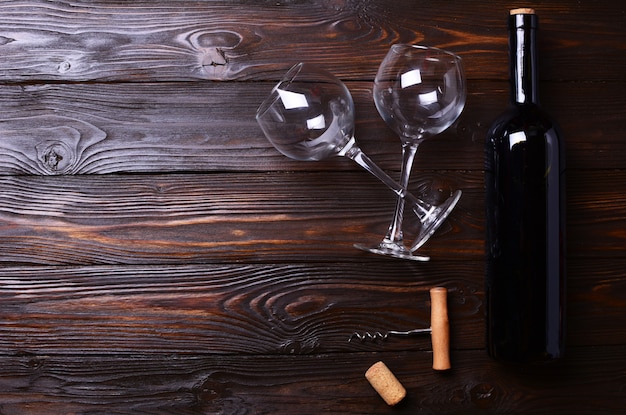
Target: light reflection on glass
(292,100)
(428,98)
(411,78)
(317,123)
(516,138)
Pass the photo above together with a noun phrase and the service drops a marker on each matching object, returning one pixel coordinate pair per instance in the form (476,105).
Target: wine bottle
(525,215)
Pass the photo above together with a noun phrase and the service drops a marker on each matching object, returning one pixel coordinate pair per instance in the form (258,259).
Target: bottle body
(525,220)
(525,283)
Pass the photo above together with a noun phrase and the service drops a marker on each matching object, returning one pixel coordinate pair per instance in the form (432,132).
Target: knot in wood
(64,67)
(5,40)
(483,395)
(209,390)
(56,157)
(298,347)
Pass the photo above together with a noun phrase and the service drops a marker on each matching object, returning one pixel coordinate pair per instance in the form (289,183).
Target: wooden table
(160,256)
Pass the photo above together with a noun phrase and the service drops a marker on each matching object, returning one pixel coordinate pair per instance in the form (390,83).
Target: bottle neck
(523,58)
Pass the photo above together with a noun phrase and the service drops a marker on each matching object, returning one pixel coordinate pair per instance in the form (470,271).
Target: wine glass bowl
(419,91)
(309,115)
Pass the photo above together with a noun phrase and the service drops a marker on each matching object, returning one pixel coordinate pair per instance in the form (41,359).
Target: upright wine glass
(419,91)
(309,115)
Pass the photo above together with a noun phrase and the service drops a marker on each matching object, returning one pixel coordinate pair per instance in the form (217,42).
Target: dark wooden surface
(160,257)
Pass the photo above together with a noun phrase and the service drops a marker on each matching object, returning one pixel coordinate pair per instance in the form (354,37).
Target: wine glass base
(396,252)
(432,222)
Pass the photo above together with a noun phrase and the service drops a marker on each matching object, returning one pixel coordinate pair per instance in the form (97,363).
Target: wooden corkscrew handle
(440,328)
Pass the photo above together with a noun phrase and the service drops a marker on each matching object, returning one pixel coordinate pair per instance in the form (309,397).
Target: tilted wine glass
(419,91)
(309,115)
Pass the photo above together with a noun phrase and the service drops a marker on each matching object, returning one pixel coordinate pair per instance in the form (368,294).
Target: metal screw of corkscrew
(439,330)
(380,336)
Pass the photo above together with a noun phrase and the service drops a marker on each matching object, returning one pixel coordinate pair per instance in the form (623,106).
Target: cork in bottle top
(523,10)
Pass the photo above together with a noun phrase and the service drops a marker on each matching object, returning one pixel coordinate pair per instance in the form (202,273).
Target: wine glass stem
(353,152)
(394,233)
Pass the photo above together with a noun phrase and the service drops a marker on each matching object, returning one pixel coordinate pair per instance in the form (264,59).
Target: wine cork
(523,10)
(440,328)
(385,383)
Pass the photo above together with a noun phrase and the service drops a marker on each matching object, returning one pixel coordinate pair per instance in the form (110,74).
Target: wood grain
(270,309)
(186,219)
(164,40)
(334,383)
(229,309)
(142,128)
(217,218)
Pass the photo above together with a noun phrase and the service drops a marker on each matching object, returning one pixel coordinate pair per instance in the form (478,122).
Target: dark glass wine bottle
(525,216)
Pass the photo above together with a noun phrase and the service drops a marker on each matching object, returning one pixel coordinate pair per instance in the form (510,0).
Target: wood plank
(182,219)
(183,40)
(298,309)
(142,128)
(215,218)
(334,383)
(230,309)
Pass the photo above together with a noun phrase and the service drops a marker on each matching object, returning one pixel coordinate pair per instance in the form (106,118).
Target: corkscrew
(439,330)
